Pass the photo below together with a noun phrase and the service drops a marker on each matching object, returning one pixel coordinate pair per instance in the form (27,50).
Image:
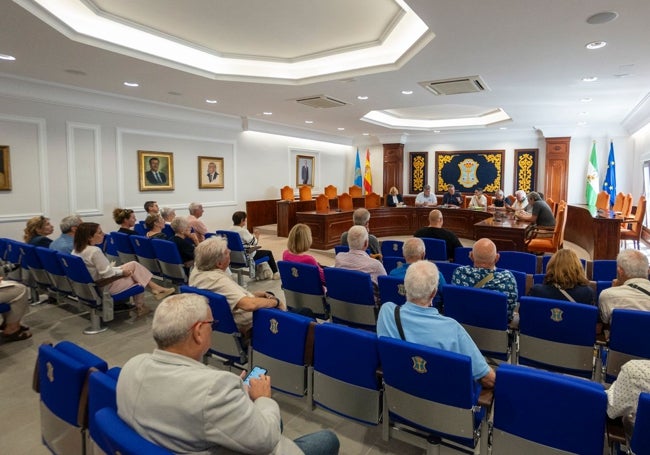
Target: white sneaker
(276,275)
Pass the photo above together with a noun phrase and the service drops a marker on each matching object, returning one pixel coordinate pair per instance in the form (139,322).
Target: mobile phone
(255,373)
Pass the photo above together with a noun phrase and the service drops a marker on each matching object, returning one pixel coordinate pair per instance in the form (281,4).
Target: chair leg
(95,323)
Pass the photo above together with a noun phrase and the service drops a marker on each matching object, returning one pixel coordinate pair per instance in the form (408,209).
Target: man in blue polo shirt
(422,324)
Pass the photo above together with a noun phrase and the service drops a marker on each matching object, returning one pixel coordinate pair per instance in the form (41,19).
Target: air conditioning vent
(455,86)
(321,102)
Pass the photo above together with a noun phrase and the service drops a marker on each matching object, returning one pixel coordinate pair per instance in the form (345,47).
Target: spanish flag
(367,176)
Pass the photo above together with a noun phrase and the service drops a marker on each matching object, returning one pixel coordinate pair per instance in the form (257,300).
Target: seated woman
(126,219)
(298,243)
(239,226)
(565,280)
(394,198)
(90,234)
(185,240)
(37,230)
(15,294)
(155,224)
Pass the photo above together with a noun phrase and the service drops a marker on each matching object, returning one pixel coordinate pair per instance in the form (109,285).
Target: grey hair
(179,224)
(69,222)
(357,237)
(634,263)
(520,193)
(414,248)
(421,281)
(499,193)
(209,252)
(534,196)
(167,212)
(193,207)
(175,316)
(360,217)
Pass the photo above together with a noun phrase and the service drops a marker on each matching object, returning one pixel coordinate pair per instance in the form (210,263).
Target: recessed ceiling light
(309,121)
(267,113)
(366,134)
(341,128)
(7,57)
(596,45)
(362,97)
(407,92)
(582,123)
(132,84)
(583,113)
(589,79)
(211,101)
(602,18)
(436,131)
(503,127)
(586,100)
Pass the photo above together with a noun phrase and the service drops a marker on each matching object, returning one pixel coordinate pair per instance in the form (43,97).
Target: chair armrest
(486,398)
(250,249)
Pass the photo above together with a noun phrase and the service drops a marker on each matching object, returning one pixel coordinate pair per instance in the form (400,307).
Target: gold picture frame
(5,169)
(156,170)
(305,168)
(208,167)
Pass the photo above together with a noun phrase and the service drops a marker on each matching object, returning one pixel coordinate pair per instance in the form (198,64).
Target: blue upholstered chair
(392,262)
(303,288)
(447,269)
(392,248)
(430,393)
(62,375)
(391,289)
(169,259)
(110,249)
(121,439)
(350,296)
(524,281)
(140,228)
(101,394)
(145,253)
(242,260)
(279,344)
(461,255)
(343,378)
(518,260)
(58,279)
(341,249)
(603,269)
(557,335)
(541,412)
(124,248)
(436,249)
(628,340)
(640,443)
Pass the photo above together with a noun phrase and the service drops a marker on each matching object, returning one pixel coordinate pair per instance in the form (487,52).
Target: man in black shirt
(435,231)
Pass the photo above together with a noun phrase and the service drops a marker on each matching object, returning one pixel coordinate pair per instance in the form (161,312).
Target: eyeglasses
(200,323)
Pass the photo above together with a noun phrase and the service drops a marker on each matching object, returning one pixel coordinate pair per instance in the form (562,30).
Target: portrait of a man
(304,170)
(156,171)
(211,172)
(154,176)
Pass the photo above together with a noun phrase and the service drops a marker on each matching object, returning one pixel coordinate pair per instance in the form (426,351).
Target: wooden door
(557,168)
(393,168)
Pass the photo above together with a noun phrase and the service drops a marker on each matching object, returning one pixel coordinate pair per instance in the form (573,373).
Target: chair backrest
(80,279)
(238,256)
(523,280)
(279,344)
(537,411)
(602,201)
(518,260)
(416,392)
(640,443)
(639,216)
(392,262)
(341,249)
(345,202)
(560,224)
(305,192)
(302,287)
(121,439)
(344,375)
(322,203)
(140,228)
(169,259)
(35,266)
(101,394)
(145,253)
(331,191)
(226,339)
(436,249)
(628,339)
(53,267)
(447,269)
(392,248)
(627,206)
(391,289)
(552,204)
(603,269)
(355,191)
(350,296)
(557,335)
(286,193)
(618,202)
(461,255)
(124,247)
(110,249)
(372,201)
(483,314)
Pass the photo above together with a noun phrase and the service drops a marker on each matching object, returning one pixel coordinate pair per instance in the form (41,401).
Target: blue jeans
(324,442)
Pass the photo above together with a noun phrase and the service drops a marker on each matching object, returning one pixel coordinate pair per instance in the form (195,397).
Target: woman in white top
(90,234)
(478,201)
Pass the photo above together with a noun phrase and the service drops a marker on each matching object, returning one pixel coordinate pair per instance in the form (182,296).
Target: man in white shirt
(521,202)
(478,201)
(426,198)
(631,289)
(623,395)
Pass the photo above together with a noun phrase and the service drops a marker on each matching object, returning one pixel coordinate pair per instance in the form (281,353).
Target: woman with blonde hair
(393,199)
(565,279)
(37,230)
(298,243)
(155,224)
(126,219)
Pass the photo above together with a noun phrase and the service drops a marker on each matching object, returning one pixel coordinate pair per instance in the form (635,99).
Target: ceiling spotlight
(407,92)
(211,101)
(174,93)
(586,100)
(7,57)
(366,134)
(589,79)
(362,97)
(602,18)
(267,113)
(503,127)
(132,84)
(596,45)
(309,122)
(341,128)
(436,131)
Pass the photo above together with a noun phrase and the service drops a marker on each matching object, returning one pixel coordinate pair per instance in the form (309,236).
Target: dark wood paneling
(393,167)
(261,213)
(557,168)
(598,233)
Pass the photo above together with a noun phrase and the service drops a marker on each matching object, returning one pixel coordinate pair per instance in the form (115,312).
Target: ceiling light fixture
(596,45)
(362,97)
(407,92)
(589,79)
(309,122)
(132,84)
(583,113)
(366,134)
(586,100)
(7,57)
(267,113)
(211,101)
(341,128)
(503,127)
(602,17)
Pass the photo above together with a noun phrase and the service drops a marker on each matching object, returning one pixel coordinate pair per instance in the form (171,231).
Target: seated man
(435,231)
(484,274)
(211,260)
(68,227)
(173,400)
(248,239)
(540,213)
(151,208)
(426,198)
(421,323)
(623,395)
(361,217)
(500,200)
(199,227)
(478,201)
(521,203)
(631,288)
(451,197)
(357,258)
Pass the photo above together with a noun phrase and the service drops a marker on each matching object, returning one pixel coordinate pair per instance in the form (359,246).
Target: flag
(357,171)
(592,178)
(367,176)
(609,184)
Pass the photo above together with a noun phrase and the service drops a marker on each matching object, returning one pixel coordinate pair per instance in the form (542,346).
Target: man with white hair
(631,289)
(361,217)
(421,323)
(211,261)
(196,211)
(521,202)
(357,258)
(173,400)
(68,225)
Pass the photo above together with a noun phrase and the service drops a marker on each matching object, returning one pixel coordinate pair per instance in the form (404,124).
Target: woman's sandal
(17,336)
(164,293)
(3,326)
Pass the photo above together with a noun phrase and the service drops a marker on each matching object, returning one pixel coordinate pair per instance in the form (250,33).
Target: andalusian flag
(592,178)
(357,172)
(609,184)
(367,176)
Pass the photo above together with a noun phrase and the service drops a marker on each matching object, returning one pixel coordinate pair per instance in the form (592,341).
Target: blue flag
(358,181)
(609,184)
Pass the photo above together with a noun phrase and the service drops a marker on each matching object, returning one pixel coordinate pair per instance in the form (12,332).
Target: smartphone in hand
(255,373)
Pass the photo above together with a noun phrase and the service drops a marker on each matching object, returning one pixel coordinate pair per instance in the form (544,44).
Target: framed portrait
(5,169)
(210,172)
(304,170)
(156,170)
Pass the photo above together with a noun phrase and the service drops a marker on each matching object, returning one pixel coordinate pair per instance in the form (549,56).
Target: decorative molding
(72,174)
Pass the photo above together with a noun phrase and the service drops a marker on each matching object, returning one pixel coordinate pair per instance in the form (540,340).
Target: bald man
(484,274)
(435,231)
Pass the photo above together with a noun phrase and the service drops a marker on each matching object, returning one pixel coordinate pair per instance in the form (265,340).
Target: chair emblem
(137,242)
(400,289)
(50,371)
(556,315)
(273,327)
(65,263)
(294,272)
(400,263)
(468,168)
(395,247)
(419,364)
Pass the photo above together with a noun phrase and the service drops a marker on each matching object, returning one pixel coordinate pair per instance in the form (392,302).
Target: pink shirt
(304,259)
